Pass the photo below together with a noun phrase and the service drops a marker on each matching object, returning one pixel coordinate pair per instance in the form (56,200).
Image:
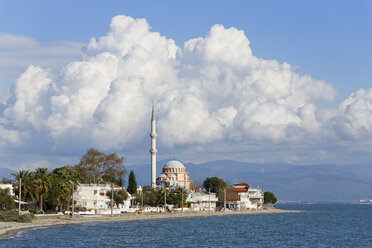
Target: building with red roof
(243,196)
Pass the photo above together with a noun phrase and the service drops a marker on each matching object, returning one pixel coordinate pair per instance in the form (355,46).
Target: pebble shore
(7,228)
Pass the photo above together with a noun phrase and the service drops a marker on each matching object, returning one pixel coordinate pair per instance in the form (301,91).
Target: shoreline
(8,228)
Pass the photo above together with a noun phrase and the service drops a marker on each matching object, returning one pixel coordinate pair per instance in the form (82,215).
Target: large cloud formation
(210,90)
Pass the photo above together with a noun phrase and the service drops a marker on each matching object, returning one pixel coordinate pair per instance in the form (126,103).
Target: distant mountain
(5,172)
(288,182)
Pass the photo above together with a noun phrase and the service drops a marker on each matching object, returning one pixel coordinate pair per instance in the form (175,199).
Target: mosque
(174,173)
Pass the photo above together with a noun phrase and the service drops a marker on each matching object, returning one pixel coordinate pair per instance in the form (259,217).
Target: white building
(243,196)
(200,201)
(7,186)
(174,175)
(94,198)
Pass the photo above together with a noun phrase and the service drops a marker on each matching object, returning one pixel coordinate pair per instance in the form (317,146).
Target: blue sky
(330,40)
(303,113)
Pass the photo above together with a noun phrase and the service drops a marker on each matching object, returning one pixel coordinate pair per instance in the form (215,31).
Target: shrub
(25,218)
(13,216)
(8,216)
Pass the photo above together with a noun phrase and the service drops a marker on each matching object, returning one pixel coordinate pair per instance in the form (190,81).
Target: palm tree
(63,180)
(42,184)
(27,183)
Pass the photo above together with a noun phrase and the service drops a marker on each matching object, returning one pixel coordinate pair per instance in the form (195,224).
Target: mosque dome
(174,164)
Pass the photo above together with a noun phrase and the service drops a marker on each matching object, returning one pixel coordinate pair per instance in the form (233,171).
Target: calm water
(326,225)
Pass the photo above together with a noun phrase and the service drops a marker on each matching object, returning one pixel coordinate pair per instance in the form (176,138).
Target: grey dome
(174,164)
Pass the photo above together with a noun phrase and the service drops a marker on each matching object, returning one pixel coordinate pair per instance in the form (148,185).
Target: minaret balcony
(153,150)
(153,135)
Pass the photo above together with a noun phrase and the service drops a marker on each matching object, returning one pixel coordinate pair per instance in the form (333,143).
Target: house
(94,197)
(200,201)
(242,196)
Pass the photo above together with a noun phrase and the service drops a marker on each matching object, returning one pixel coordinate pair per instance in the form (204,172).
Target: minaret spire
(153,111)
(153,147)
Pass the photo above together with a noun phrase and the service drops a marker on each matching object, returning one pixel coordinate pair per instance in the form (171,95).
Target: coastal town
(149,124)
(171,191)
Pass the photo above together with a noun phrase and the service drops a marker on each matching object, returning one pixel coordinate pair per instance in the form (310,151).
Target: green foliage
(63,181)
(174,197)
(28,185)
(6,200)
(132,184)
(42,184)
(151,196)
(97,167)
(155,196)
(215,184)
(26,218)
(119,196)
(9,216)
(269,197)
(13,216)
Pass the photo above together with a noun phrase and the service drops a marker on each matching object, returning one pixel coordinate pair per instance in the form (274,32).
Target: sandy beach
(6,228)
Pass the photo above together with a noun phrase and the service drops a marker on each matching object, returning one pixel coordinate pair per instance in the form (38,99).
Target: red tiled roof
(238,189)
(241,184)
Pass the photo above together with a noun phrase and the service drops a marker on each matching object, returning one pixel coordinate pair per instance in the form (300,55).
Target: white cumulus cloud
(211,90)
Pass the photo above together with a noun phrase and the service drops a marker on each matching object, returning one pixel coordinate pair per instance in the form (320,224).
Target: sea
(322,225)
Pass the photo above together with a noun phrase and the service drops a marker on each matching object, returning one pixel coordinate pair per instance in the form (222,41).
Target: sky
(283,81)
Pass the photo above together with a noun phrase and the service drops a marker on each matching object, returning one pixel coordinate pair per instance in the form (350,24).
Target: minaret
(153,149)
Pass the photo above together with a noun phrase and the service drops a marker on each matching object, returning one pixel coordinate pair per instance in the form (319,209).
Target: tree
(215,184)
(119,196)
(6,200)
(42,184)
(151,196)
(63,181)
(132,184)
(269,197)
(97,167)
(174,196)
(28,187)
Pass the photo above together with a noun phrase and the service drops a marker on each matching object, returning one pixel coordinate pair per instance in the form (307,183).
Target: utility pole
(20,196)
(73,204)
(112,198)
(224,199)
(209,199)
(165,196)
(182,199)
(142,198)
(262,182)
